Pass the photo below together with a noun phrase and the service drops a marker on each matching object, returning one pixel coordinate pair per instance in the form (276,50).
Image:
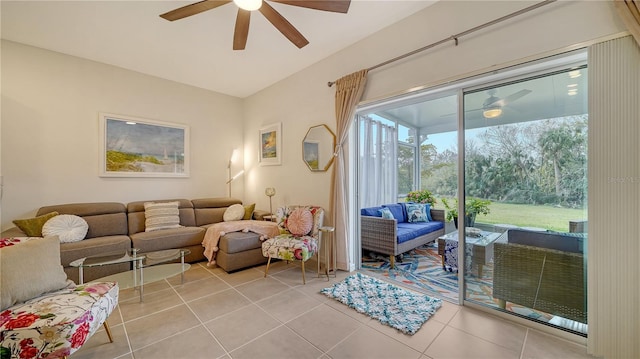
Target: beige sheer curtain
(629,11)
(349,90)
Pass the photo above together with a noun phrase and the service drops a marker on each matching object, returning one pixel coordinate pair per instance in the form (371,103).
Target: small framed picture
(271,145)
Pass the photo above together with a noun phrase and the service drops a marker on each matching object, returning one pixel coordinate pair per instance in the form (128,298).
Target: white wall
(50,152)
(304,100)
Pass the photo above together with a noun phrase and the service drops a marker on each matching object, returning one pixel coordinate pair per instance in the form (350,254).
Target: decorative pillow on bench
(29,270)
(68,227)
(32,227)
(417,212)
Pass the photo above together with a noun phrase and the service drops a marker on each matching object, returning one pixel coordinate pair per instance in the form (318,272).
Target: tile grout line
(199,320)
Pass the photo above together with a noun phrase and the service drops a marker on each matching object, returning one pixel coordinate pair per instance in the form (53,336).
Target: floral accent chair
(298,239)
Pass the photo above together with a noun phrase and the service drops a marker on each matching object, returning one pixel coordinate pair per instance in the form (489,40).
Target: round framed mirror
(317,148)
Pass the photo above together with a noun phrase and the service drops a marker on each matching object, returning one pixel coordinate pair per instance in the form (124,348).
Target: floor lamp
(270,192)
(230,179)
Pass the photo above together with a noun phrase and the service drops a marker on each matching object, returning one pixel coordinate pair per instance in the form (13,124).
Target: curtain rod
(459,35)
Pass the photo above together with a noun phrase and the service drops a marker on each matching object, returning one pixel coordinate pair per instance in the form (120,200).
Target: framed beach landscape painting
(271,145)
(135,147)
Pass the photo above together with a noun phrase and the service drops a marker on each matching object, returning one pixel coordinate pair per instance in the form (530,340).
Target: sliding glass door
(525,187)
(516,221)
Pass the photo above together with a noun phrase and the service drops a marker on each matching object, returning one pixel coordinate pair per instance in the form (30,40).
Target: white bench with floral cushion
(43,314)
(298,239)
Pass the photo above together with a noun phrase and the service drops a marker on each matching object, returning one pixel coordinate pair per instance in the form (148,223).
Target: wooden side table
(329,246)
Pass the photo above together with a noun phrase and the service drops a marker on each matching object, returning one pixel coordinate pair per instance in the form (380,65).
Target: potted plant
(421,196)
(473,207)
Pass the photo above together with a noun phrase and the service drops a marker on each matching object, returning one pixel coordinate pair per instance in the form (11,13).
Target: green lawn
(525,215)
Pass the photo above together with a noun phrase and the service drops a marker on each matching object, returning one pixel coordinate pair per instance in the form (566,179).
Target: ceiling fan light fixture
(248,5)
(492,112)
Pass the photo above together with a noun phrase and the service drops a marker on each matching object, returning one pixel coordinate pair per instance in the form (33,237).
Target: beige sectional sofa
(119,227)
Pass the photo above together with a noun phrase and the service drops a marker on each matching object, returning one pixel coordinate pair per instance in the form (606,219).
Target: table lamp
(270,192)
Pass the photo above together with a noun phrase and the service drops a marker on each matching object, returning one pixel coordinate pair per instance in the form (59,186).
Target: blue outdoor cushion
(427,210)
(409,231)
(398,211)
(416,212)
(386,213)
(371,211)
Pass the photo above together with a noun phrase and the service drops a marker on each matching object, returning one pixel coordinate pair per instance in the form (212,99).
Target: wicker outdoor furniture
(381,235)
(552,280)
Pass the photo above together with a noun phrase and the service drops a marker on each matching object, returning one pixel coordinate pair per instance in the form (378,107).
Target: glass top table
(146,267)
(479,249)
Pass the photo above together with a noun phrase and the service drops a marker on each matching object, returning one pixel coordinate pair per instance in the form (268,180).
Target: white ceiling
(196,50)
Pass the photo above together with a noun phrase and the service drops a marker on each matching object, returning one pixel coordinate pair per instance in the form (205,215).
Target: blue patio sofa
(397,236)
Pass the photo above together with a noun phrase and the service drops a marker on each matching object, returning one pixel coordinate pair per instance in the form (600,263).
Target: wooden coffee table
(481,248)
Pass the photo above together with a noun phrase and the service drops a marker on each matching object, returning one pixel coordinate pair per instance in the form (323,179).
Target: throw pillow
(248,211)
(67,227)
(300,222)
(398,211)
(29,270)
(416,212)
(386,213)
(161,215)
(235,212)
(32,227)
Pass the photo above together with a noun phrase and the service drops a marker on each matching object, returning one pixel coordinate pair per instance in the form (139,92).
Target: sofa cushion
(386,213)
(103,218)
(409,231)
(417,212)
(167,238)
(163,215)
(235,212)
(32,227)
(398,211)
(68,227)
(96,246)
(234,242)
(427,209)
(371,211)
(136,218)
(300,222)
(211,210)
(248,211)
(30,269)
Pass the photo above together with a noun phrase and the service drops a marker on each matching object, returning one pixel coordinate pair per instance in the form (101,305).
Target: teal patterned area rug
(391,305)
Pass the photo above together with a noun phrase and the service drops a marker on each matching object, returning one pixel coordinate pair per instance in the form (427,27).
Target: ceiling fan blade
(242,29)
(193,9)
(514,96)
(283,25)
(341,6)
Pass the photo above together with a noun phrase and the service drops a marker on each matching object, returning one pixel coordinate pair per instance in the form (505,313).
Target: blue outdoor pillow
(416,212)
(397,210)
(427,209)
(386,213)
(370,211)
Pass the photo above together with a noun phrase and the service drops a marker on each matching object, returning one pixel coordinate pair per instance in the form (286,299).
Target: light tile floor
(243,315)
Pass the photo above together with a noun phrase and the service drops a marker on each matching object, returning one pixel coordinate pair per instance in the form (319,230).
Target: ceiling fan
(492,106)
(245,7)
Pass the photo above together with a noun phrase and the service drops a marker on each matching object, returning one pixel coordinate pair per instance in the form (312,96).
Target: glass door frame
(498,76)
